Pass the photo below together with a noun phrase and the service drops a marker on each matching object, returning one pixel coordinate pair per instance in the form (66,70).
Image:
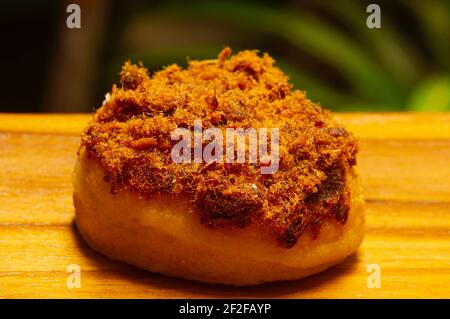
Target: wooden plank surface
(405,168)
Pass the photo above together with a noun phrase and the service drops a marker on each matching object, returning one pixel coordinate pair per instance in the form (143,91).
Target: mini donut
(223,221)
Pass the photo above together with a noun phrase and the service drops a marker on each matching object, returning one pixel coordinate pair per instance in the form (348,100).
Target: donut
(160,184)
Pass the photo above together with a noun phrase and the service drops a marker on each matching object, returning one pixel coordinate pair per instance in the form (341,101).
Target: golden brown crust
(130,135)
(163,235)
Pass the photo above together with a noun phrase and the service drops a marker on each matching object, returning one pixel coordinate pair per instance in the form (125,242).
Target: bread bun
(164,235)
(222,223)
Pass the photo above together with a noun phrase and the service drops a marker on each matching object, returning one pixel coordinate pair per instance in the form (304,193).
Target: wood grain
(404,163)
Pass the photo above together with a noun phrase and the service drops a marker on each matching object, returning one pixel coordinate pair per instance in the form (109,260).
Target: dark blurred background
(324,46)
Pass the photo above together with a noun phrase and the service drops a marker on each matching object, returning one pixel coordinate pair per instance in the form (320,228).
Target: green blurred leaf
(396,54)
(306,33)
(316,90)
(381,66)
(432,94)
(434,16)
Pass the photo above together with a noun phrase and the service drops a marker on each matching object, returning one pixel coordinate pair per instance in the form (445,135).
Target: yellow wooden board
(405,168)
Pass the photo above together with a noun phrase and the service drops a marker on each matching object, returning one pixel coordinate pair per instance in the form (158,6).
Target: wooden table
(405,167)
